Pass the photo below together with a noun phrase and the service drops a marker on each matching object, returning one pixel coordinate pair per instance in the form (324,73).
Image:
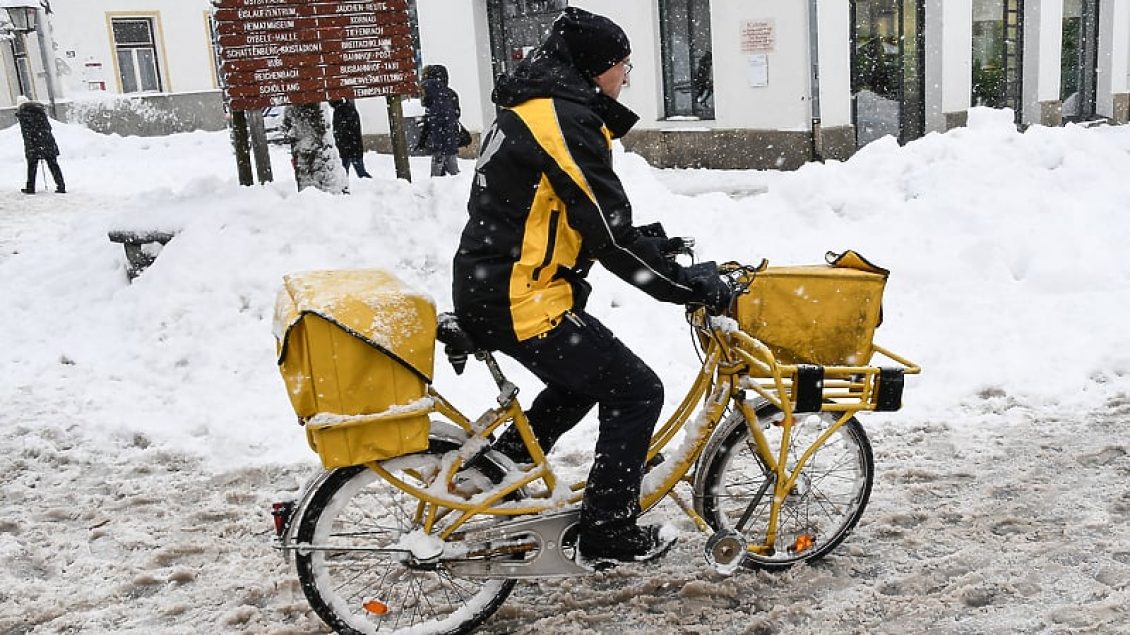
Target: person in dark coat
(39,143)
(546,205)
(441,120)
(347,136)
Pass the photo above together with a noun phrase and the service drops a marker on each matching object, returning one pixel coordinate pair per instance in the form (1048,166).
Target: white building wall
(784,103)
(1114,54)
(451,35)
(1120,45)
(949,60)
(8,81)
(834,19)
(83,34)
(958,54)
(1043,49)
(455,33)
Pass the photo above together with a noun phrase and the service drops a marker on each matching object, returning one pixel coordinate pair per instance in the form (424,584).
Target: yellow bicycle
(418,525)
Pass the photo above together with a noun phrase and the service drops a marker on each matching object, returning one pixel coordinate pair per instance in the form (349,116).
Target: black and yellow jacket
(545,203)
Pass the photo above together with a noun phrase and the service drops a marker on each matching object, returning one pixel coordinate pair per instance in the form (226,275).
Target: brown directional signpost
(293,52)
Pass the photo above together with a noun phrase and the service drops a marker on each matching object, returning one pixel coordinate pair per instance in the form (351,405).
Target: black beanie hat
(595,42)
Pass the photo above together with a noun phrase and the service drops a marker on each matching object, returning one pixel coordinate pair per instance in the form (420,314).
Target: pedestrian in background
(39,143)
(347,136)
(441,120)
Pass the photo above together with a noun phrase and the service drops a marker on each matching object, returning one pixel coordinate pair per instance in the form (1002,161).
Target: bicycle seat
(457,343)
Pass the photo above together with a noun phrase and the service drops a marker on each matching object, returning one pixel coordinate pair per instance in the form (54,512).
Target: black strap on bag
(888,396)
(808,387)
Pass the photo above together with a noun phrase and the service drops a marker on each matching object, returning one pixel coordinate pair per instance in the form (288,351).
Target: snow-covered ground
(144,428)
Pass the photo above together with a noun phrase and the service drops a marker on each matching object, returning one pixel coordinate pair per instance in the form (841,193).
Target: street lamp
(22,18)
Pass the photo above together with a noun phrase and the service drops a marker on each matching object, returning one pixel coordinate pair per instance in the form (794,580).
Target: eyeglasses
(627,68)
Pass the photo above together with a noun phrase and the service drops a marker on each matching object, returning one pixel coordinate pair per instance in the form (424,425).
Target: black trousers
(357,163)
(583,364)
(52,164)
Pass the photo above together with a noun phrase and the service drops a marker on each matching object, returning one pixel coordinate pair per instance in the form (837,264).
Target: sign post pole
(301,52)
(239,138)
(399,143)
(259,147)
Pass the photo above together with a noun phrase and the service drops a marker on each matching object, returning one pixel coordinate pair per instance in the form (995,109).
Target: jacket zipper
(553,218)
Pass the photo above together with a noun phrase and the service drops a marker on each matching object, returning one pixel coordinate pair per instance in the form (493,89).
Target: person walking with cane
(39,143)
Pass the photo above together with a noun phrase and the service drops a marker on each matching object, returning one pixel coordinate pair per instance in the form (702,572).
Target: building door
(998,45)
(517,27)
(1078,77)
(888,89)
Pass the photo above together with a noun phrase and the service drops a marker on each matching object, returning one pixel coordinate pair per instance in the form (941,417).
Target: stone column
(949,63)
(1043,51)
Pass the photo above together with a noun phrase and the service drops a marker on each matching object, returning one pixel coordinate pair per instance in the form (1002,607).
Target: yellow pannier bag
(817,314)
(355,349)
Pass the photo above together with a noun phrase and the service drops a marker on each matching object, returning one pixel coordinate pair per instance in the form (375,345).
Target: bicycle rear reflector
(375,606)
(803,543)
(282,512)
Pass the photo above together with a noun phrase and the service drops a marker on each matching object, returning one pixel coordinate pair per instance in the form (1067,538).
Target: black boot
(603,547)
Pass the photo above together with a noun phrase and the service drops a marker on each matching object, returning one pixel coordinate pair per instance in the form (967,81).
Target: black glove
(673,247)
(710,289)
(654,230)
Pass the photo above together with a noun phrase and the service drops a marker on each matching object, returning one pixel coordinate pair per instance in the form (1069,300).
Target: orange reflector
(376,607)
(803,542)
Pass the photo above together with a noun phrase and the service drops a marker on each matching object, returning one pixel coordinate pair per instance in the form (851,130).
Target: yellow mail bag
(356,349)
(818,314)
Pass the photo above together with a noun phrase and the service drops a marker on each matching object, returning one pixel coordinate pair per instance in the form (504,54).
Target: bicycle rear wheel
(734,487)
(362,579)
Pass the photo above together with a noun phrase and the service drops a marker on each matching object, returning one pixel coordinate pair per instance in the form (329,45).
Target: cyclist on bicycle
(545,203)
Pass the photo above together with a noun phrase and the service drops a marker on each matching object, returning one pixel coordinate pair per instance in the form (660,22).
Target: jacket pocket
(550,245)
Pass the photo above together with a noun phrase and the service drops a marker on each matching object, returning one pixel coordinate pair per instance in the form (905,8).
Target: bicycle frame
(733,362)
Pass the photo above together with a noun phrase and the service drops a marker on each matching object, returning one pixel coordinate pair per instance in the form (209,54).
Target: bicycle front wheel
(359,577)
(735,486)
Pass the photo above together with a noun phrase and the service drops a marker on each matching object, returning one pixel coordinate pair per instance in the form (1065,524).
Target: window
(23,66)
(688,69)
(998,28)
(1078,74)
(137,55)
(887,62)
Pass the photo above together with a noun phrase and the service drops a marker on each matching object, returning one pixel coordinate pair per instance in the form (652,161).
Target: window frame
(670,85)
(21,61)
(155,46)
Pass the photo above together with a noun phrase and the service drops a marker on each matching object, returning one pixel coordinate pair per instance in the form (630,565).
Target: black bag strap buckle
(808,388)
(888,395)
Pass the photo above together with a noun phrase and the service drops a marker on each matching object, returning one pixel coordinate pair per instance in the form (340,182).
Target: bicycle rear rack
(815,388)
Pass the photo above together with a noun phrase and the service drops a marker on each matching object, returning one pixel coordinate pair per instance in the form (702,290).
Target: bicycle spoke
(753,504)
(826,498)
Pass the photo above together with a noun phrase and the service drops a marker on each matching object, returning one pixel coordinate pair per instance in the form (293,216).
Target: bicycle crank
(725,551)
(547,542)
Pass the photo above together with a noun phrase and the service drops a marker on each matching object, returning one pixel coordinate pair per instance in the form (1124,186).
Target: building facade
(717,83)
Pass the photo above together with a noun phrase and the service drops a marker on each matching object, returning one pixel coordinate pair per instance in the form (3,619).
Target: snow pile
(146,427)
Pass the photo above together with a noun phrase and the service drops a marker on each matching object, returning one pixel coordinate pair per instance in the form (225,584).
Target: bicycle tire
(828,500)
(355,506)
